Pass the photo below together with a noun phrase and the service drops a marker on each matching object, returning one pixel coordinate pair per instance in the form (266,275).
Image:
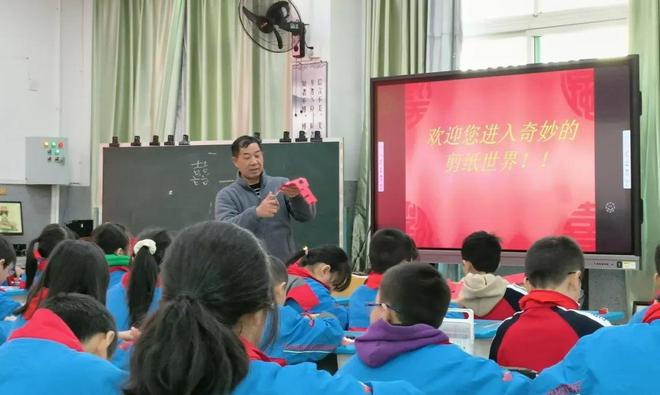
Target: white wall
(45,81)
(336,32)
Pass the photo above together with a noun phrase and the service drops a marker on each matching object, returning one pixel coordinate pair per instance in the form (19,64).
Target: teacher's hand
(290,191)
(268,207)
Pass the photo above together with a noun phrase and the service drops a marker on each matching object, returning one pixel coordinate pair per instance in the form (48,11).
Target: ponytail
(185,350)
(296,257)
(31,264)
(141,286)
(149,253)
(49,238)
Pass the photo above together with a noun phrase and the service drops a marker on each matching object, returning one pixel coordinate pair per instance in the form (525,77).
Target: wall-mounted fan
(275,26)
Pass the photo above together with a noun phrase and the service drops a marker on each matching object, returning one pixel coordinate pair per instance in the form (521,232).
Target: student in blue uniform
(614,360)
(39,250)
(115,243)
(639,316)
(216,295)
(138,291)
(388,247)
(403,341)
(62,350)
(7,263)
(313,275)
(300,337)
(75,266)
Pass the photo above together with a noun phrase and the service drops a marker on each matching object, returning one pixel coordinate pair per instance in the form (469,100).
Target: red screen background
(513,155)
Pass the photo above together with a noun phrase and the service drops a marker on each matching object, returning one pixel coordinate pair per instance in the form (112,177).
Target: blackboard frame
(99,196)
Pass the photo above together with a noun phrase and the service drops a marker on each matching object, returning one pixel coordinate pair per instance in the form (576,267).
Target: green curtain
(644,23)
(234,86)
(395,44)
(136,70)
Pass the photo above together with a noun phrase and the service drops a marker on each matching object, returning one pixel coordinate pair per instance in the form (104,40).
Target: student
(300,337)
(549,323)
(490,296)
(75,266)
(62,350)
(216,295)
(639,316)
(388,247)
(39,250)
(114,241)
(615,360)
(138,291)
(403,341)
(7,263)
(313,275)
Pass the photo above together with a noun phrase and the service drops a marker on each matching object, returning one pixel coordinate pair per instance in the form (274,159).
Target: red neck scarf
(299,271)
(34,303)
(254,354)
(374,280)
(652,314)
(547,298)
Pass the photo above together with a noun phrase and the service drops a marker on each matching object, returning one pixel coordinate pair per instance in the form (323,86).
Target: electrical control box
(47,161)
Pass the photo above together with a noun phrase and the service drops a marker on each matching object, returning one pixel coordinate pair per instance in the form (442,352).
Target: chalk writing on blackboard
(200,171)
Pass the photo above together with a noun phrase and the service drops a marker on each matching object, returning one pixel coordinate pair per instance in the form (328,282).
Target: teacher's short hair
(243,142)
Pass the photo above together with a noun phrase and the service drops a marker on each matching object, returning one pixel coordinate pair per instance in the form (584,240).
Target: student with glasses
(550,323)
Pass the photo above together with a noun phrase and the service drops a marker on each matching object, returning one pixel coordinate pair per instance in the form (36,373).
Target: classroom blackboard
(173,187)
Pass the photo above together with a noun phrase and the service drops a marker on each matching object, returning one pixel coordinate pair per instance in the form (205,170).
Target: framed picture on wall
(11,218)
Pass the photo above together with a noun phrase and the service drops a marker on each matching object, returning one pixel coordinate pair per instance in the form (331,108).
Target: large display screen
(523,153)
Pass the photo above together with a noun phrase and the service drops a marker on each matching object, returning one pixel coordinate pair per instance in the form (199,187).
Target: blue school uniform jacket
(117,302)
(614,360)
(301,338)
(7,306)
(306,294)
(269,378)
(45,357)
(423,356)
(358,313)
(8,327)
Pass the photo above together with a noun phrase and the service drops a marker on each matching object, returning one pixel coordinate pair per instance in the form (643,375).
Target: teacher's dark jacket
(237,203)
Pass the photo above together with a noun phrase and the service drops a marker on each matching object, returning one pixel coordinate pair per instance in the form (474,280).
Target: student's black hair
(277,270)
(417,293)
(389,247)
(657,259)
(483,250)
(144,274)
(331,255)
(243,142)
(84,315)
(48,239)
(7,253)
(74,266)
(550,260)
(111,237)
(213,274)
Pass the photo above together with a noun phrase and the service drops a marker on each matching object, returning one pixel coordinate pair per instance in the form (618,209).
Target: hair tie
(150,244)
(306,250)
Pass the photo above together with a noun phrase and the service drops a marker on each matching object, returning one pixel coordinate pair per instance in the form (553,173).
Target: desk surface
(13,291)
(483,329)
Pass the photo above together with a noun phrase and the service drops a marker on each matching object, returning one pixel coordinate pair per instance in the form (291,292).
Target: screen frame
(20,209)
(516,258)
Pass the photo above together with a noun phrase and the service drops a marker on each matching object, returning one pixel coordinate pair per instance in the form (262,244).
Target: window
(513,32)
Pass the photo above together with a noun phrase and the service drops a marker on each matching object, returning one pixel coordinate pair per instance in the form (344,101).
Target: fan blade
(251,16)
(278,13)
(279,38)
(263,24)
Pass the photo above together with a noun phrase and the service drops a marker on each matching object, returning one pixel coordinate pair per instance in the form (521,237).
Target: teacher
(260,203)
